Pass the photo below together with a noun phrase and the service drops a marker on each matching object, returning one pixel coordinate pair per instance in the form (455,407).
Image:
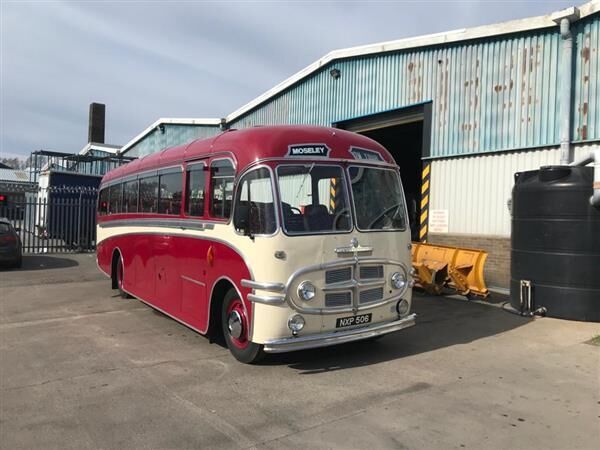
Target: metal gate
(55,220)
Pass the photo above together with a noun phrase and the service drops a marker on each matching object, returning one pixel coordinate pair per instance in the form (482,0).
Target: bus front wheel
(235,324)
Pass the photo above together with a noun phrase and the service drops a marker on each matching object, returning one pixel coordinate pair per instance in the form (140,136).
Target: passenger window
(254,203)
(116,194)
(103,202)
(196,182)
(170,193)
(222,175)
(149,194)
(130,197)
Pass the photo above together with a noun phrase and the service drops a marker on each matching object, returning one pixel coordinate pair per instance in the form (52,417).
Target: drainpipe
(564,18)
(592,157)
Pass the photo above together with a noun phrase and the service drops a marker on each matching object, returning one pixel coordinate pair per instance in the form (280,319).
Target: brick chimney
(96,123)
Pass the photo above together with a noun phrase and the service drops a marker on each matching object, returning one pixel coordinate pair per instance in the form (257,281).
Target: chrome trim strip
(352,284)
(263,285)
(267,299)
(359,249)
(337,337)
(190,224)
(199,283)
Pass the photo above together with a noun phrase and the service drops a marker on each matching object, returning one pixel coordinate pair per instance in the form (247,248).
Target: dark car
(10,245)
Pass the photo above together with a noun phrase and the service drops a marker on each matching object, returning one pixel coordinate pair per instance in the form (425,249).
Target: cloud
(184,59)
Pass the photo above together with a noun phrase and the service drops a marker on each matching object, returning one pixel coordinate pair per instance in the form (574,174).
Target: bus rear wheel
(235,324)
(119,274)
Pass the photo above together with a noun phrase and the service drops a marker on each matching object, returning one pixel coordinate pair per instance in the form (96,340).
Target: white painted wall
(475,189)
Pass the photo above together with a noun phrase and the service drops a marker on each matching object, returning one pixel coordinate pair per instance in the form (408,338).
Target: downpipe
(566,82)
(592,157)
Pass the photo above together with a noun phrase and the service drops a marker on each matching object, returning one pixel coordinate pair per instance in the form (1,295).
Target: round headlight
(402,307)
(306,291)
(296,323)
(398,280)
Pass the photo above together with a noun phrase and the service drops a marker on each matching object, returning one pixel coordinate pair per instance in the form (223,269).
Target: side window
(196,182)
(116,194)
(103,202)
(254,203)
(170,193)
(130,197)
(149,194)
(221,192)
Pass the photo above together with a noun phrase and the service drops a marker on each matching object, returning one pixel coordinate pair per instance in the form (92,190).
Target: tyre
(120,273)
(235,324)
(18,262)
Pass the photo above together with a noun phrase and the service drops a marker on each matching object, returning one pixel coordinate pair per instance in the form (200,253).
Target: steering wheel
(337,217)
(293,208)
(384,214)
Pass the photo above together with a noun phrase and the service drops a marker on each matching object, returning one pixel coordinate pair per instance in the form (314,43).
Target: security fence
(55,220)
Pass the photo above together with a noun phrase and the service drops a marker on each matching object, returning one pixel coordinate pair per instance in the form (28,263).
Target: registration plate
(353,320)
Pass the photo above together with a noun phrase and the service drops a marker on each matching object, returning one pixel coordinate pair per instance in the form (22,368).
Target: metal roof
(14,176)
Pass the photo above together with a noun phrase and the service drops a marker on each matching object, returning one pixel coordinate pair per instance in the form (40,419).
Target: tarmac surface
(81,368)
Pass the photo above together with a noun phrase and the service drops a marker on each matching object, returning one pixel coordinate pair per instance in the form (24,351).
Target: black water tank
(556,242)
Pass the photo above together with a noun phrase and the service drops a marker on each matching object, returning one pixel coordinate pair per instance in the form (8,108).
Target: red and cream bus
(281,238)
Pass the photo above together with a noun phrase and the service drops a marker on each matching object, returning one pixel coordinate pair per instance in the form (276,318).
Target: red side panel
(175,273)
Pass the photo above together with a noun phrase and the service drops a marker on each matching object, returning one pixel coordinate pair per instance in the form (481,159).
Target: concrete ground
(81,368)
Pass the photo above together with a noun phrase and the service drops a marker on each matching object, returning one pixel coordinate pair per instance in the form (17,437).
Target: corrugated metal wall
(173,135)
(488,95)
(586,100)
(475,189)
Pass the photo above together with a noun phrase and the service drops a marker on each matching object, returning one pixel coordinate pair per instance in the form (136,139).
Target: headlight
(296,323)
(306,291)
(398,280)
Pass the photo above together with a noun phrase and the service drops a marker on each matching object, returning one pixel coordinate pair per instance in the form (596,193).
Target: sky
(198,59)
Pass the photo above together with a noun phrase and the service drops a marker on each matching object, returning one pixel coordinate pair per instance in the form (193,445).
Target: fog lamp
(306,291)
(398,280)
(296,323)
(402,307)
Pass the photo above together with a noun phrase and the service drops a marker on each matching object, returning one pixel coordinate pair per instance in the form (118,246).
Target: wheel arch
(217,294)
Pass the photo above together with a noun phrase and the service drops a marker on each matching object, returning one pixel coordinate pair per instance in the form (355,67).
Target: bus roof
(250,145)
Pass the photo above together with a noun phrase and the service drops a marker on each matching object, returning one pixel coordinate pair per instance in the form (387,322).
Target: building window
(196,183)
(221,195)
(170,193)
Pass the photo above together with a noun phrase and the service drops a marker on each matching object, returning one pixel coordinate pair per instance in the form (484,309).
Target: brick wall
(497,266)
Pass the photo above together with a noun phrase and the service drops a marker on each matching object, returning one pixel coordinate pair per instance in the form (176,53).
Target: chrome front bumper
(337,337)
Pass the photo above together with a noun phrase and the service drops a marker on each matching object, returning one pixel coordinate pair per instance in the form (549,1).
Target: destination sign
(320,150)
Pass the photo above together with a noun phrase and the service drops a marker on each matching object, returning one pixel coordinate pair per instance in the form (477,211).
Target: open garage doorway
(406,134)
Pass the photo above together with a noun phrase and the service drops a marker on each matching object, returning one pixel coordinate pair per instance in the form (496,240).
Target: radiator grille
(371,272)
(338,299)
(371,295)
(338,275)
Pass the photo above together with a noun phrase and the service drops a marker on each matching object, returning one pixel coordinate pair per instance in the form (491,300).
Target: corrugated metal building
(461,112)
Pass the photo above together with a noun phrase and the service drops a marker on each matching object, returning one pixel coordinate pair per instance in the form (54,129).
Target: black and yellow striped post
(424,218)
(332,195)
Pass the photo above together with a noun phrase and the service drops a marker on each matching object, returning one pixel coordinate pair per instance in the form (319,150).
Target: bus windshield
(378,199)
(313,199)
